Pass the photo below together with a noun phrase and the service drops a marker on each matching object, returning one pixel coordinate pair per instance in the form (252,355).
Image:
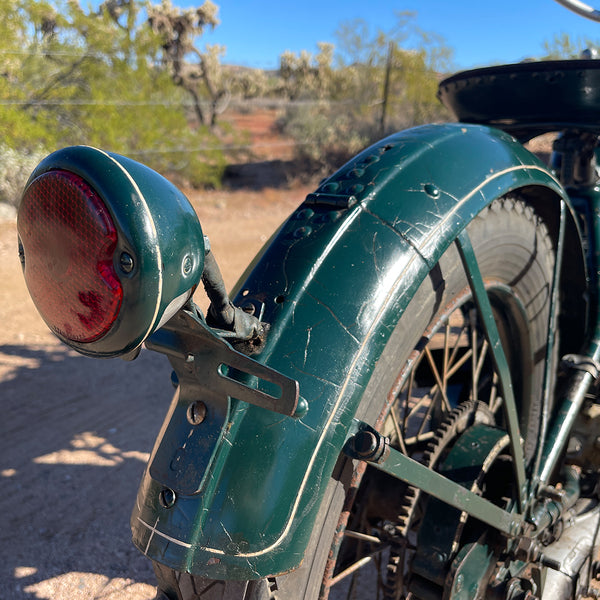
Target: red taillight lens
(69,239)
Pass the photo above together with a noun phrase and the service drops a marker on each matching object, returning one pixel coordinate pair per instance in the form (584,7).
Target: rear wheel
(423,399)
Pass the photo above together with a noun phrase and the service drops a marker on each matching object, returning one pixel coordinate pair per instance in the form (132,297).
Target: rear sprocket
(413,503)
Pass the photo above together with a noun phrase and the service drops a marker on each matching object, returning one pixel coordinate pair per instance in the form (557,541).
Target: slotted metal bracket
(196,352)
(209,373)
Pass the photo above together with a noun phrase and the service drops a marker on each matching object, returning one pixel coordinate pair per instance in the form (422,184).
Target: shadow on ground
(265,174)
(75,435)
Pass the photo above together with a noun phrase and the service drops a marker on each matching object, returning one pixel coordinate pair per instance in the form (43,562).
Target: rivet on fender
(305,214)
(331,188)
(302,232)
(431,190)
(301,409)
(356,173)
(356,188)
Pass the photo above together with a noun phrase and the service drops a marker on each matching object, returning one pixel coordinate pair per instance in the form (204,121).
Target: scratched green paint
(333,283)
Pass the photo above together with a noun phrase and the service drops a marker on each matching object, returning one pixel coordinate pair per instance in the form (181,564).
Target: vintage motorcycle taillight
(110,249)
(69,239)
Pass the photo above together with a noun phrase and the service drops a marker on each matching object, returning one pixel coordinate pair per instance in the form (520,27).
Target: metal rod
(563,422)
(580,382)
(550,365)
(482,301)
(436,375)
(581,8)
(407,469)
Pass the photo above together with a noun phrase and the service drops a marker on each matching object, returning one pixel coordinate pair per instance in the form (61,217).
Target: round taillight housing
(110,249)
(70,239)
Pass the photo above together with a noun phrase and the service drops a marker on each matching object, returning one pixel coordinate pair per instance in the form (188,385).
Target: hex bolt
(126,262)
(196,412)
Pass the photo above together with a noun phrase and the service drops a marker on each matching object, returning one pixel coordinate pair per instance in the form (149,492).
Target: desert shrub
(15,168)
(203,168)
(326,137)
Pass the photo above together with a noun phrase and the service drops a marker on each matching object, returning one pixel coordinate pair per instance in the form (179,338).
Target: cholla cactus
(178,29)
(15,168)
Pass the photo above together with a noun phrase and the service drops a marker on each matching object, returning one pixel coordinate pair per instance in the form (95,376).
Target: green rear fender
(332,283)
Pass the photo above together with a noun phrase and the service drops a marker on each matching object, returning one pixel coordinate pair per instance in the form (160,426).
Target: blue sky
(480,32)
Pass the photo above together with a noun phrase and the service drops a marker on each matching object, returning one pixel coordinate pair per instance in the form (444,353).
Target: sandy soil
(76,432)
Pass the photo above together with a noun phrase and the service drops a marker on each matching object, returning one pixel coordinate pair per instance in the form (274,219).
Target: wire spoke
(357,535)
(455,363)
(436,374)
(473,322)
(463,359)
(446,350)
(399,432)
(480,361)
(457,343)
(359,564)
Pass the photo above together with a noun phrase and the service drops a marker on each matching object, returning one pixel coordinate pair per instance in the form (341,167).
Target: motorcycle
(400,400)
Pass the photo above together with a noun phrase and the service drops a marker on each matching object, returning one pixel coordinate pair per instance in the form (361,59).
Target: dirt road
(75,432)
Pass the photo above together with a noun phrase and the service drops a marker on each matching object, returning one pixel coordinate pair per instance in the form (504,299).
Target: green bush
(325,136)
(15,168)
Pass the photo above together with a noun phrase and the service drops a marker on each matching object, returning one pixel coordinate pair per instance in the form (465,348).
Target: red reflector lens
(69,239)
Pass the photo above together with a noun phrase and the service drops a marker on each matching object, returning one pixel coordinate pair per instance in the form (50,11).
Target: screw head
(126,262)
(187,265)
(167,497)
(196,412)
